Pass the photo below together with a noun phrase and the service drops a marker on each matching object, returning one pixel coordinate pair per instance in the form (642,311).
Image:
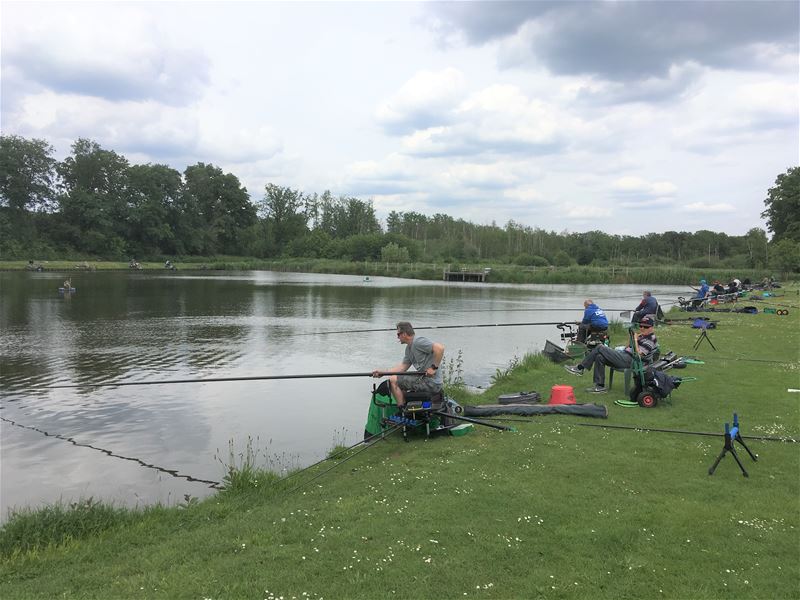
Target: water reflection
(137,326)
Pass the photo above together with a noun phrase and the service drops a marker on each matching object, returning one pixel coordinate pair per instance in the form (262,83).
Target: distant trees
(783,206)
(27,174)
(95,202)
(756,243)
(154,202)
(27,189)
(217,208)
(285,219)
(93,199)
(786,256)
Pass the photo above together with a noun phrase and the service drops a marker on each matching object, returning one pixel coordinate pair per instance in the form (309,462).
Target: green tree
(530,260)
(316,244)
(94,184)
(786,256)
(756,243)
(154,198)
(783,206)
(343,217)
(391,252)
(27,174)
(27,194)
(216,209)
(282,209)
(562,259)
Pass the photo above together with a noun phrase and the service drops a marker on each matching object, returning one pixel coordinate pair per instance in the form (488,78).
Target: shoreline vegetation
(554,509)
(96,203)
(495,273)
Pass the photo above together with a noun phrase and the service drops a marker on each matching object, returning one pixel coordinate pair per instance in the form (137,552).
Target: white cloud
(127,56)
(678,81)
(369,105)
(121,126)
(704,207)
(638,186)
(502,120)
(424,100)
(580,213)
(149,129)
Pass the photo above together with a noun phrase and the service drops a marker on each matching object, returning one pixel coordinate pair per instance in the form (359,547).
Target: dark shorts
(419,384)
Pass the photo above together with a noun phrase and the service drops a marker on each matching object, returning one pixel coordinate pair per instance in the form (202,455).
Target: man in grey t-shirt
(425,355)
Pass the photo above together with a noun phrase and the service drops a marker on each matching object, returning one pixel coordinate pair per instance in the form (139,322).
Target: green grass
(555,510)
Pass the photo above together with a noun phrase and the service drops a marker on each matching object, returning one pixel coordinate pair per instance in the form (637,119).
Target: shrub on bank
(28,529)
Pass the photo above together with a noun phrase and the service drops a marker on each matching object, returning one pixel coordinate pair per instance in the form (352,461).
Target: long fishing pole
(471,420)
(684,432)
(438,327)
(502,419)
(247,378)
(367,440)
(762,360)
(368,445)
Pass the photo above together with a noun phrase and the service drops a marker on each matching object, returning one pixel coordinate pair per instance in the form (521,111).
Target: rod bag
(527,410)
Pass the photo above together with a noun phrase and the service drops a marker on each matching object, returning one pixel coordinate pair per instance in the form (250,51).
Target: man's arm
(438,354)
(399,368)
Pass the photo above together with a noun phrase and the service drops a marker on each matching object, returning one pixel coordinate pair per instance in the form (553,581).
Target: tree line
(95,203)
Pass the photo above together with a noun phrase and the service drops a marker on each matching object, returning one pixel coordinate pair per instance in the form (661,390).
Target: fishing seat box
(417,400)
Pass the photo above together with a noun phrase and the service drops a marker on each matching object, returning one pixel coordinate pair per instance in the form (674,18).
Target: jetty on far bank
(464,275)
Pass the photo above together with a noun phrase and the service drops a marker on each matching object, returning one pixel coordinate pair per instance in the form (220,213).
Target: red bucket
(562,394)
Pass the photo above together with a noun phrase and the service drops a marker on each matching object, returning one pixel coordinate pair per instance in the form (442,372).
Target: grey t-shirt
(420,354)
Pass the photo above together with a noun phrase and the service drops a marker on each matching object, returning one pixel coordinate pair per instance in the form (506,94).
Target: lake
(137,445)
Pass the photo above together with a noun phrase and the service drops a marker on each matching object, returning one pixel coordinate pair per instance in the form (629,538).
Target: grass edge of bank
(497,273)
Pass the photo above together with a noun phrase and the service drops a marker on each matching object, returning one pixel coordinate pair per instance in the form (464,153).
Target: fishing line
(381,436)
(683,432)
(477,325)
(763,360)
(172,472)
(333,456)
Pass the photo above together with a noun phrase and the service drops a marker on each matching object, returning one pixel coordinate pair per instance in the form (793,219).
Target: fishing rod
(369,443)
(338,454)
(684,432)
(763,360)
(247,378)
(502,419)
(438,327)
(172,472)
(470,420)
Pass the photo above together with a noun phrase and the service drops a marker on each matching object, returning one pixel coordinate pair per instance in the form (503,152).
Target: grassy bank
(553,510)
(498,273)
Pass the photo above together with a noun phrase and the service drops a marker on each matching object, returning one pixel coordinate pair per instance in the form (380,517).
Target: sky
(622,116)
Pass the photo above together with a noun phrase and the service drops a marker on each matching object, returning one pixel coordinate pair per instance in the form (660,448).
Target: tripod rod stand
(703,336)
(732,435)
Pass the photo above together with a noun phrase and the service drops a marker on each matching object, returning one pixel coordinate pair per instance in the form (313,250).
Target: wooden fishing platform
(464,275)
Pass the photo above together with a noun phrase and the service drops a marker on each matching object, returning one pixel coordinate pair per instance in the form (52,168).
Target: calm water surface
(138,445)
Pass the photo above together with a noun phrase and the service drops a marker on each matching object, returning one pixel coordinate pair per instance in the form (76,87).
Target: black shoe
(575,370)
(597,389)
